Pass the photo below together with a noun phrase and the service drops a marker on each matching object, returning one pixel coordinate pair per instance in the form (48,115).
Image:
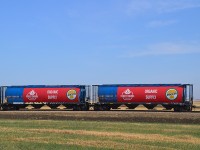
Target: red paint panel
(150,94)
(69,95)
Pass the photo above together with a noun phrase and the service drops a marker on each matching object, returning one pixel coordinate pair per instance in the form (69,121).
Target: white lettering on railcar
(52,94)
(52,91)
(150,96)
(52,97)
(149,91)
(32,95)
(127,95)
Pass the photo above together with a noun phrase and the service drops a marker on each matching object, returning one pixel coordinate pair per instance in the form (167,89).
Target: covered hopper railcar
(171,96)
(74,97)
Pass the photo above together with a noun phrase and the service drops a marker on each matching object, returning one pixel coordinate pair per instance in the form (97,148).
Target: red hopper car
(176,96)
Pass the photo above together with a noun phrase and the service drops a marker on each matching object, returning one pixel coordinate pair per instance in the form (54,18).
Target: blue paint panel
(107,93)
(14,94)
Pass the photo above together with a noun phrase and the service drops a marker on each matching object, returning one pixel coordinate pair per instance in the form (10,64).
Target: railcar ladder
(189,93)
(2,98)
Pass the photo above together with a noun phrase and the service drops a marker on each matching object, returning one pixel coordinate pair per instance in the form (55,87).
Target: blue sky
(100,42)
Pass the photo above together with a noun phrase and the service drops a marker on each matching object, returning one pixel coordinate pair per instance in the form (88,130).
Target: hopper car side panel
(172,94)
(176,96)
(70,96)
(51,95)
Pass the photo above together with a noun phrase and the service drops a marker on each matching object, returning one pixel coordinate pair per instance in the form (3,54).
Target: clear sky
(100,42)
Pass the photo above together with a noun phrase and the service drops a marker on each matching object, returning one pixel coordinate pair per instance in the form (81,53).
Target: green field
(48,134)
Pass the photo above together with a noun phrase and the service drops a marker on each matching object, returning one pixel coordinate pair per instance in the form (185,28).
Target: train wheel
(105,108)
(176,109)
(84,108)
(77,108)
(100,108)
(15,108)
(5,108)
(97,108)
(167,107)
(189,108)
(179,109)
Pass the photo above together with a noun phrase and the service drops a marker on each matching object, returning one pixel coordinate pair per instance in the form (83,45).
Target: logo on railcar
(71,94)
(127,95)
(172,94)
(32,95)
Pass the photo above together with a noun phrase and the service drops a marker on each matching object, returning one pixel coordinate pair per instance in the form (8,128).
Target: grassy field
(49,134)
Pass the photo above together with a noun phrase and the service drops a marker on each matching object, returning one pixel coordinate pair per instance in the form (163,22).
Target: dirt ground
(140,114)
(196,107)
(124,116)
